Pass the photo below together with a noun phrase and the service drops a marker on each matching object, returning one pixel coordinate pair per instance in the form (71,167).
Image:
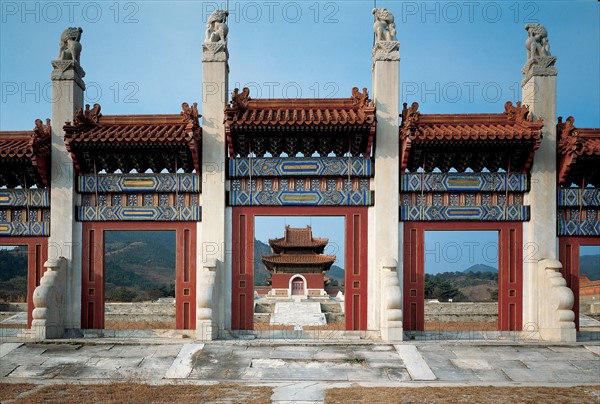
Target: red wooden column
(92,276)
(414,277)
(242,299)
(185,277)
(510,276)
(356,264)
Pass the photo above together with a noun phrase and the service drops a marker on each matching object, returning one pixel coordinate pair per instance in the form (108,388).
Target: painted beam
(24,228)
(575,197)
(298,167)
(464,213)
(32,197)
(577,228)
(301,198)
(139,213)
(135,183)
(464,182)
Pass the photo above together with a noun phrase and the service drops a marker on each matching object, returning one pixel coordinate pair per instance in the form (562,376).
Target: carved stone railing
(391,321)
(556,317)
(49,301)
(205,301)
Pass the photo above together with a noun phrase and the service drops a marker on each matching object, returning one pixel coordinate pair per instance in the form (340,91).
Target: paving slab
(7,347)
(414,362)
(182,365)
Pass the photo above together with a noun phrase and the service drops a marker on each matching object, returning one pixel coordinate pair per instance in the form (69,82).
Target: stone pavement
(299,371)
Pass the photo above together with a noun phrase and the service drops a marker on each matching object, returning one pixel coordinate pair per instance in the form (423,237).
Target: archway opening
(461,281)
(299,273)
(13,286)
(139,269)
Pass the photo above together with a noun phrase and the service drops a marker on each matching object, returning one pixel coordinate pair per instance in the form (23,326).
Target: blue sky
(144,57)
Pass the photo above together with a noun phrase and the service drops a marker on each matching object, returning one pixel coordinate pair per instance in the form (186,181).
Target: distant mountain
(481,268)
(590,265)
(336,273)
(261,273)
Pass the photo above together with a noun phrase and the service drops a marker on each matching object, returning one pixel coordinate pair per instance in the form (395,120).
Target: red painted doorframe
(92,278)
(37,255)
(569,257)
(510,270)
(356,243)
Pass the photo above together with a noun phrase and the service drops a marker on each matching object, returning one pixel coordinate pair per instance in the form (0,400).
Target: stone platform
(298,314)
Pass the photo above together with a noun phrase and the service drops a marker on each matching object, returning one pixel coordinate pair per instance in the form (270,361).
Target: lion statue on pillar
(537,41)
(384,27)
(69,47)
(216,27)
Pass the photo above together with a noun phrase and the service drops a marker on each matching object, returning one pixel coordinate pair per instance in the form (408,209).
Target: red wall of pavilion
(282,281)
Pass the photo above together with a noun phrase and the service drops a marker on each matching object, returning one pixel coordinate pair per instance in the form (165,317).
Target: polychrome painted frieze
(38,198)
(137,213)
(127,183)
(293,167)
(24,228)
(301,198)
(464,182)
(579,197)
(464,213)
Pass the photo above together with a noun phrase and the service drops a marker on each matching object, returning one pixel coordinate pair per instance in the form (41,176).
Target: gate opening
(461,281)
(589,288)
(13,286)
(299,274)
(139,279)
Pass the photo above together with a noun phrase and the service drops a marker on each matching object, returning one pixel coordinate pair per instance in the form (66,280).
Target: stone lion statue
(384,27)
(69,47)
(216,26)
(537,41)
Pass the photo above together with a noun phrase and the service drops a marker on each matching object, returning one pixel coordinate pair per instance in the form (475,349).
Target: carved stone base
(68,70)
(539,66)
(215,52)
(386,51)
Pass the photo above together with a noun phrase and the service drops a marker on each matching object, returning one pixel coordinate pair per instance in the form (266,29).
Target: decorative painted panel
(127,183)
(301,198)
(575,197)
(293,167)
(133,213)
(578,228)
(24,228)
(25,197)
(466,213)
(464,182)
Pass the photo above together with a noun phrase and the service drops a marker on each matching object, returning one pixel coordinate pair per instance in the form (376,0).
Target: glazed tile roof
(296,238)
(141,142)
(578,152)
(291,126)
(463,141)
(24,157)
(298,263)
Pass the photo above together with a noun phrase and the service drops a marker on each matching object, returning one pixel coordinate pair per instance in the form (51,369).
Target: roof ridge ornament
(85,118)
(360,100)
(387,46)
(214,48)
(41,129)
(540,61)
(519,113)
(190,114)
(240,101)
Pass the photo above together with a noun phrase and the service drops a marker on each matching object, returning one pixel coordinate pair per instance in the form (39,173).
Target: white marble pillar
(212,241)
(384,215)
(539,234)
(65,231)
